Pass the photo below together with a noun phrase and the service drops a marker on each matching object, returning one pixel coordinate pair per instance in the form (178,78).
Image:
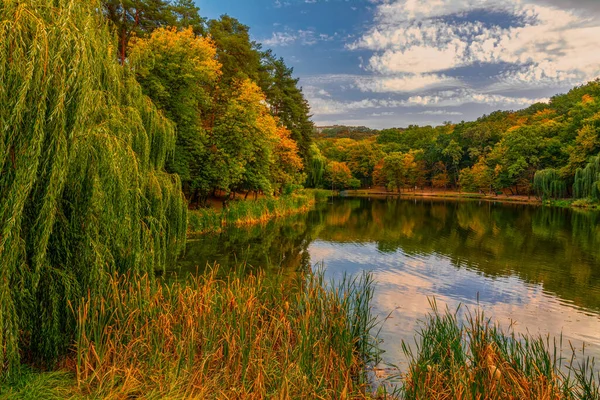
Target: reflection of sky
(405,285)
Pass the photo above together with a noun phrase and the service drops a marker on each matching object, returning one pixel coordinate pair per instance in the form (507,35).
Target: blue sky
(391,63)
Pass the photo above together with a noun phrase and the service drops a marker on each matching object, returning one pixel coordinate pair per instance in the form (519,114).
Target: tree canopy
(500,152)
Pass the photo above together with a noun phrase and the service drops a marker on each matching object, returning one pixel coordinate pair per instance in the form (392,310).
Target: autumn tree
(178,71)
(362,157)
(439,177)
(400,170)
(339,176)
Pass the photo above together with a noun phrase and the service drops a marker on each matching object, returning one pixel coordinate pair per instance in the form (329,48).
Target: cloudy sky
(384,63)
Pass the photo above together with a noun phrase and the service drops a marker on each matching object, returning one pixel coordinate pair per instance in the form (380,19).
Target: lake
(535,267)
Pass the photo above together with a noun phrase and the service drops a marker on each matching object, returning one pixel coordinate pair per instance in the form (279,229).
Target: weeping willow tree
(548,184)
(316,167)
(82,191)
(587,181)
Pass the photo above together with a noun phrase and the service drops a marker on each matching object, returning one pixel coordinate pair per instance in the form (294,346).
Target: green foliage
(339,177)
(57,385)
(341,131)
(231,135)
(587,181)
(178,71)
(82,191)
(316,170)
(131,18)
(401,170)
(287,103)
(501,151)
(548,184)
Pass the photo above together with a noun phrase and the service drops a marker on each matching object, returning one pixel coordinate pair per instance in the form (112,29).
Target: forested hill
(342,131)
(242,122)
(547,149)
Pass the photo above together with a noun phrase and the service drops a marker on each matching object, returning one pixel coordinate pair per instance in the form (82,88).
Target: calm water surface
(536,266)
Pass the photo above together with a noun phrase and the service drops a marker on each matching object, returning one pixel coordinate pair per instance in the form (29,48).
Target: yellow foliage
(165,42)
(586,98)
(544,115)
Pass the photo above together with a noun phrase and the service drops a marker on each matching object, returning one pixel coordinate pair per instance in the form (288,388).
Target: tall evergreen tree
(287,102)
(136,17)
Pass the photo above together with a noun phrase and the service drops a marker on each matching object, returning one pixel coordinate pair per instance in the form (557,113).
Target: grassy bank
(478,360)
(246,337)
(585,204)
(250,212)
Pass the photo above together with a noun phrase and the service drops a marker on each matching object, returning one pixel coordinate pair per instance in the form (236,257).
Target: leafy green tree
(362,157)
(179,72)
(454,152)
(466,180)
(316,170)
(400,170)
(439,178)
(187,15)
(83,193)
(482,176)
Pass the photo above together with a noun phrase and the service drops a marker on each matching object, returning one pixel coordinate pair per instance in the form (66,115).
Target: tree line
(549,150)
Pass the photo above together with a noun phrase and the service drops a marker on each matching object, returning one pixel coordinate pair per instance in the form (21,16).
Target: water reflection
(537,266)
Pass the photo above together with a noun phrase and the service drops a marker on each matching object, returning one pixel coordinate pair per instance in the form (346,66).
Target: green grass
(478,360)
(31,385)
(587,204)
(250,212)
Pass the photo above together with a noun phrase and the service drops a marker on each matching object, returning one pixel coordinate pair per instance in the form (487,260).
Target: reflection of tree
(279,246)
(558,248)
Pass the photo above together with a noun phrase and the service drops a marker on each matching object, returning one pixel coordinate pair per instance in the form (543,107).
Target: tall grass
(250,212)
(246,337)
(478,360)
(82,192)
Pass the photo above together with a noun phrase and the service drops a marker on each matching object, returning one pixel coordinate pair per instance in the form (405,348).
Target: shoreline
(448,195)
(252,212)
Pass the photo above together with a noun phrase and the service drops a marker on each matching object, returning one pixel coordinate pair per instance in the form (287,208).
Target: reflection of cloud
(406,284)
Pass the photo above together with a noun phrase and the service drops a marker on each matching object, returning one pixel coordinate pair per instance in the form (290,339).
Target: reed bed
(251,212)
(478,360)
(248,337)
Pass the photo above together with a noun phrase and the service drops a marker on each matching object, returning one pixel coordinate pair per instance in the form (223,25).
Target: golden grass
(241,338)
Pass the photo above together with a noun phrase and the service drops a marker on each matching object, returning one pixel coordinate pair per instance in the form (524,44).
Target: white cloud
(440,112)
(280,39)
(405,83)
(288,37)
(454,98)
(552,44)
(325,105)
